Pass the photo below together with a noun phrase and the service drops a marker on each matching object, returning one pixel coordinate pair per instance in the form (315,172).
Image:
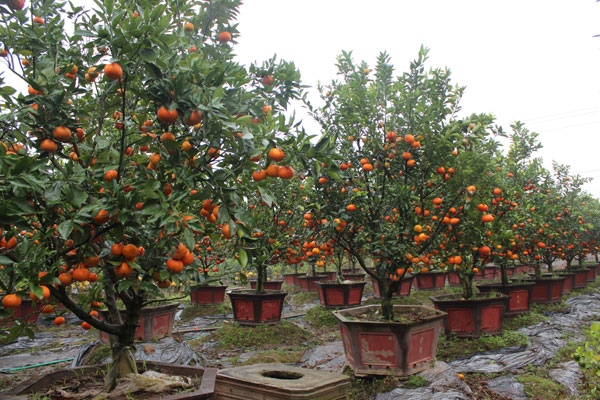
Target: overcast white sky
(530,60)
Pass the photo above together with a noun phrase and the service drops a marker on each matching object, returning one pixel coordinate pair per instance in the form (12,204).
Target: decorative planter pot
(547,290)
(205,295)
(308,283)
(519,293)
(474,317)
(581,278)
(204,390)
(154,323)
(329,275)
(356,277)
(401,348)
(280,381)
(340,295)
(487,272)
(268,285)
(292,279)
(402,291)
(523,269)
(430,280)
(251,308)
(592,273)
(569,282)
(598,269)
(453,278)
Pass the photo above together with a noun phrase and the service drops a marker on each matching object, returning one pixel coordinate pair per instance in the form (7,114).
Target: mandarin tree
(161,118)
(394,143)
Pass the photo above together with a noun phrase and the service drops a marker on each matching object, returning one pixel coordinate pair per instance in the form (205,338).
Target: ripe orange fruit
(130,251)
(367,167)
(267,110)
(113,71)
(189,27)
(86,326)
(351,207)
(224,37)
(116,249)
(62,133)
(58,321)
(167,116)
(194,118)
(102,217)
(273,170)
(80,274)
(110,175)
(123,270)
(286,172)
(487,218)
(65,278)
(91,261)
(276,154)
(259,175)
(32,91)
(485,251)
(482,207)
(11,300)
(268,80)
(167,136)
(175,266)
(49,145)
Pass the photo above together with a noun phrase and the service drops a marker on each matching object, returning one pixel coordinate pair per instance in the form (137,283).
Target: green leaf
(53,193)
(65,229)
(5,260)
(243,259)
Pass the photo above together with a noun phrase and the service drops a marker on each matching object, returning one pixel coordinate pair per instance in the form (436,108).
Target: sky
(534,61)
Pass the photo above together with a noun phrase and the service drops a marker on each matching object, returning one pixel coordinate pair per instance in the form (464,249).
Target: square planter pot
(430,280)
(251,308)
(402,291)
(401,348)
(308,283)
(278,382)
(340,295)
(292,279)
(519,293)
(581,278)
(473,317)
(453,278)
(547,290)
(592,273)
(487,272)
(355,277)
(569,282)
(154,323)
(269,285)
(205,295)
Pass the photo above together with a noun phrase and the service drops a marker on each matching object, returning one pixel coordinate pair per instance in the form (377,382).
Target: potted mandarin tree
(393,145)
(126,125)
(267,228)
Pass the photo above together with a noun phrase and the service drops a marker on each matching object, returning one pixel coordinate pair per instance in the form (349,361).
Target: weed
(321,318)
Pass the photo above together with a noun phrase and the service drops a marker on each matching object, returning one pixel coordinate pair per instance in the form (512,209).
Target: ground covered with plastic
(60,348)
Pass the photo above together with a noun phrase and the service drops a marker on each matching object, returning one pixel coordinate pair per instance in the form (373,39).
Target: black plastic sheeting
(546,339)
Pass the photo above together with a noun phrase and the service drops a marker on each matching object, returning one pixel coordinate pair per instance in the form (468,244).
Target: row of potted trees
(137,154)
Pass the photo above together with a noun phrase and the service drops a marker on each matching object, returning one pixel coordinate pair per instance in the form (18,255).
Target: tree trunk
(123,364)
(466,281)
(387,307)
